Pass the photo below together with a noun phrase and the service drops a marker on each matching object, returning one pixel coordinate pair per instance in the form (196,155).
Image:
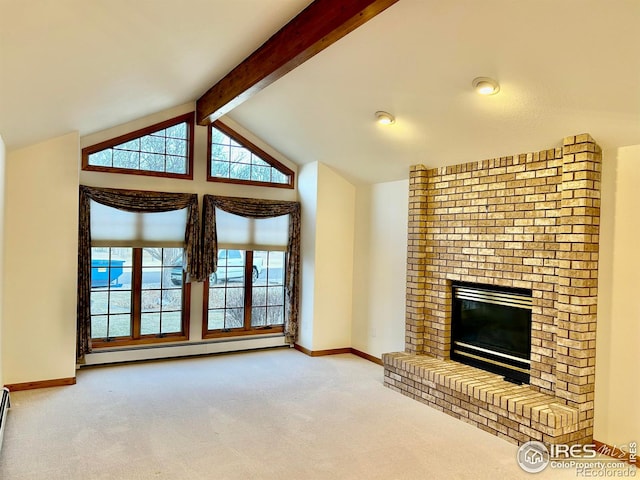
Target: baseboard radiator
(4,406)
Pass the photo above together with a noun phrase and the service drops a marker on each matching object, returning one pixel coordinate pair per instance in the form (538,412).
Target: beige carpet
(275,414)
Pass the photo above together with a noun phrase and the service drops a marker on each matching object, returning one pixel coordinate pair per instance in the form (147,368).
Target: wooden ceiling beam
(319,25)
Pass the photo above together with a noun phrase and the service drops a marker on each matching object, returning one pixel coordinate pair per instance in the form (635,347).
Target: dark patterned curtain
(135,201)
(255,208)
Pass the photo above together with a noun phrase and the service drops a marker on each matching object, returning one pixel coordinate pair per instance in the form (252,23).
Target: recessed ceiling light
(485,86)
(385,118)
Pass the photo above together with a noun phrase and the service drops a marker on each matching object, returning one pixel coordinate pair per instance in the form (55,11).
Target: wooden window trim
(136,309)
(253,148)
(188,118)
(247,329)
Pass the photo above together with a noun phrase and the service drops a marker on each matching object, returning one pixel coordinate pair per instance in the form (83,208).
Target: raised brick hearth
(529,221)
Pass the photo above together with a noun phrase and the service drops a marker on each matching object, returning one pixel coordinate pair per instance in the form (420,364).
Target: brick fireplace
(529,221)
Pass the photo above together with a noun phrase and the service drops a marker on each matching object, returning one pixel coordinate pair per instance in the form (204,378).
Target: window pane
(216,297)
(255,160)
(101,159)
(171,322)
(119,325)
(259,296)
(171,300)
(99,302)
(176,164)
(151,257)
(120,302)
(218,137)
(240,155)
(150,300)
(178,131)
(100,274)
(126,159)
(121,281)
(275,296)
(99,326)
(234,318)
(258,317)
(215,320)
(235,297)
(240,171)
(150,324)
(152,162)
(279,177)
(177,147)
(133,145)
(219,169)
(150,278)
(152,144)
(261,174)
(172,257)
(275,315)
(220,153)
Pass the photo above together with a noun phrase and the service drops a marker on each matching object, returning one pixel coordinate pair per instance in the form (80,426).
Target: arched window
(234,159)
(162,150)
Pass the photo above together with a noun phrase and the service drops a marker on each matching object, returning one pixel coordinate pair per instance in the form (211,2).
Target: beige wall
(40,261)
(617,401)
(380,268)
(328,206)
(334,260)
(308,192)
(2,187)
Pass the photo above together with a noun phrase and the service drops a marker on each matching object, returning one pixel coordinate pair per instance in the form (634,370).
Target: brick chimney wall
(528,221)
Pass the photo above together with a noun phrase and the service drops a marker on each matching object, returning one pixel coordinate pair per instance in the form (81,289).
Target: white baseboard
(155,352)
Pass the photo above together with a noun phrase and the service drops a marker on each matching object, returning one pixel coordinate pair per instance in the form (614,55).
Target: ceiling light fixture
(385,118)
(485,86)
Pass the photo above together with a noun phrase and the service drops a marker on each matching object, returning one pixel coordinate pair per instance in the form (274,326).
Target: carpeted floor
(274,414)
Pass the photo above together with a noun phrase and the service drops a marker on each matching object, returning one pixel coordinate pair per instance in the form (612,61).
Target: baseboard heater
(4,406)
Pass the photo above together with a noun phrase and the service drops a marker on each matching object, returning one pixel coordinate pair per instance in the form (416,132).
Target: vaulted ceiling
(564,67)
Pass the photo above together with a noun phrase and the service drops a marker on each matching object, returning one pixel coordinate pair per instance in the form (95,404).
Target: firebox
(491,329)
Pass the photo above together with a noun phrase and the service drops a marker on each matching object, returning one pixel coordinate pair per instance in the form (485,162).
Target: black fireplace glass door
(491,329)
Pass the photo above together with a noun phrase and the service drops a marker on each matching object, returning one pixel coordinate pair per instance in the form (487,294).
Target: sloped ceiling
(564,66)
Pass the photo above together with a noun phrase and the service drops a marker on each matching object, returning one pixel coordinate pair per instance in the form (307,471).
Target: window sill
(242,333)
(101,344)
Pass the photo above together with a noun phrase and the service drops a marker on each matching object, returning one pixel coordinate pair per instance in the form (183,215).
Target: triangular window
(234,159)
(164,150)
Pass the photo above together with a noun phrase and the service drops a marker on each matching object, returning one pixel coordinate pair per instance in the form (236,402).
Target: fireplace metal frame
(514,366)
